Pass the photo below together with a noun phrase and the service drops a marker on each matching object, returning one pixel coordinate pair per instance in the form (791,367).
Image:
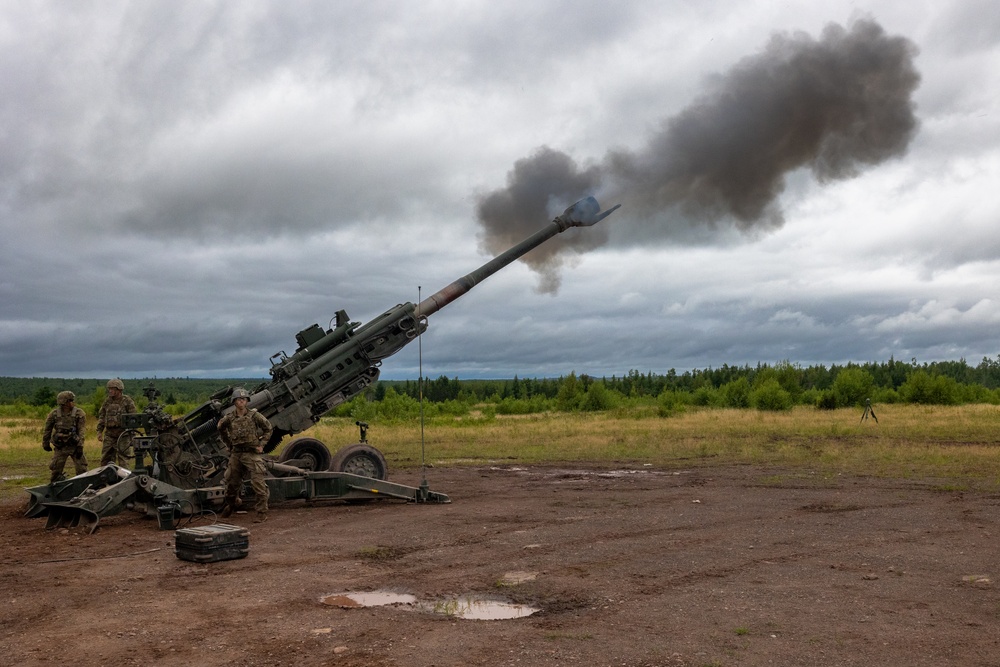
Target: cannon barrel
(583,213)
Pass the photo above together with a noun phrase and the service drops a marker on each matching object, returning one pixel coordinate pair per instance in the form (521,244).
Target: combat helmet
(240,392)
(116,384)
(64,397)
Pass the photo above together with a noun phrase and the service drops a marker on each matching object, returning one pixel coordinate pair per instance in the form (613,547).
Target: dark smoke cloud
(535,188)
(834,105)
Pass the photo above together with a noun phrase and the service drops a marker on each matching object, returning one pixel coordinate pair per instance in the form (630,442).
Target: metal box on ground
(207,544)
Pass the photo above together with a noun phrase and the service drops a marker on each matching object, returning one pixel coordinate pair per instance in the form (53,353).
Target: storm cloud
(185,185)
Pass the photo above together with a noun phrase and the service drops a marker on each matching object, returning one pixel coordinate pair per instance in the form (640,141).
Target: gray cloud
(183,186)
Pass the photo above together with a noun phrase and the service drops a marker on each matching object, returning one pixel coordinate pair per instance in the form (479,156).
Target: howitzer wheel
(307,453)
(361,459)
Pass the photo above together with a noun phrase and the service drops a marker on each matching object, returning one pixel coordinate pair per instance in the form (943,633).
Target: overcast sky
(186,185)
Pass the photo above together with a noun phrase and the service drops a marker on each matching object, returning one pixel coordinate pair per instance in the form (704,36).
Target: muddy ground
(711,566)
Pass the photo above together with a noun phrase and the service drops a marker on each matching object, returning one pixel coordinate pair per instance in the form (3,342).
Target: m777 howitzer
(185,469)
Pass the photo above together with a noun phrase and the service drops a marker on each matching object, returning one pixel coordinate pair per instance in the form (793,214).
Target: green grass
(956,448)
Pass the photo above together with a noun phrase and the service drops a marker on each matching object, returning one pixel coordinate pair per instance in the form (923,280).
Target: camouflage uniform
(109,423)
(64,435)
(243,434)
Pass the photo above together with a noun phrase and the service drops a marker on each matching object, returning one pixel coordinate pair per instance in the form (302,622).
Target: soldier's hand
(46,446)
(100,437)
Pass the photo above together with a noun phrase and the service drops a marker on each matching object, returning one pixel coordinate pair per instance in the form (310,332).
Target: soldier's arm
(100,418)
(265,426)
(81,427)
(223,428)
(47,433)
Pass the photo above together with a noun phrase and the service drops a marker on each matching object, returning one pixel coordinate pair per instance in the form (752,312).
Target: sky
(186,185)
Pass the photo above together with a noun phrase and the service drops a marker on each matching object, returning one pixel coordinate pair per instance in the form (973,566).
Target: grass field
(957,446)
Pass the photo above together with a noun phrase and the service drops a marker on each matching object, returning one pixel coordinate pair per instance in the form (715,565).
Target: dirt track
(734,566)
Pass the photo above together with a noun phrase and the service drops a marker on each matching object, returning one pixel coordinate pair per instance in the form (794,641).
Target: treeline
(882,381)
(173,391)
(764,386)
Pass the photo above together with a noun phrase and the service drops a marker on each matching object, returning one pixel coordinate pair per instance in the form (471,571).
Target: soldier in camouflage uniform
(109,424)
(64,434)
(244,432)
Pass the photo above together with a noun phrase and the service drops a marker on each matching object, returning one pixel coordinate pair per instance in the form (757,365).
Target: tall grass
(957,445)
(961,443)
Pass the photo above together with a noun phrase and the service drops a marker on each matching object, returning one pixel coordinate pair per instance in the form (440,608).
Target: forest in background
(777,386)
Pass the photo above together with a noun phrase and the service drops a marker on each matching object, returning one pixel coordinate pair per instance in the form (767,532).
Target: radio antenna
(424,487)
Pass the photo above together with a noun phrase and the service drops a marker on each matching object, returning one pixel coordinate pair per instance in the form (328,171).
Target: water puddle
(478,609)
(469,607)
(367,599)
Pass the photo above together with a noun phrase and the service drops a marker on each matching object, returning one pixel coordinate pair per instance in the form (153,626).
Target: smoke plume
(835,106)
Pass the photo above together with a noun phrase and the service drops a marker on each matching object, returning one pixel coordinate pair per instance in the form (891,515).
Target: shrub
(922,387)
(704,396)
(669,403)
(852,386)
(513,406)
(886,395)
(735,394)
(452,407)
(568,397)
(598,398)
(769,395)
(827,400)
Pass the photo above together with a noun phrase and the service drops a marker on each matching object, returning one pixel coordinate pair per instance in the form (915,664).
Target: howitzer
(187,458)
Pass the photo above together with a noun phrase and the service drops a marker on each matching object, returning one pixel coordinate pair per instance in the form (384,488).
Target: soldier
(109,423)
(64,435)
(244,432)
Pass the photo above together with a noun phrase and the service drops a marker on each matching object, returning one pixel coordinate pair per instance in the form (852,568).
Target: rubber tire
(309,449)
(361,459)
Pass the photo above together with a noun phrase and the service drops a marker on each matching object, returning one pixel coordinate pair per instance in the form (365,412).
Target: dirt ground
(628,566)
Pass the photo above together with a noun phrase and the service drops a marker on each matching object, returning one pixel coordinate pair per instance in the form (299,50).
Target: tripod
(869,411)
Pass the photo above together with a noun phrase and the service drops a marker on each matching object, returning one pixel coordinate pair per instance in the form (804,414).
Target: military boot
(260,518)
(227,510)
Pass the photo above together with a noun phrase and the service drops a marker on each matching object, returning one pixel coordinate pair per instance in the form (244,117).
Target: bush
(669,403)
(453,408)
(704,396)
(826,400)
(523,406)
(735,394)
(568,397)
(853,386)
(769,395)
(922,387)
(22,409)
(598,398)
(358,408)
(886,395)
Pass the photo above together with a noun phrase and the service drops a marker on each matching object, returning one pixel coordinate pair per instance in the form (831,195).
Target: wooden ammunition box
(207,544)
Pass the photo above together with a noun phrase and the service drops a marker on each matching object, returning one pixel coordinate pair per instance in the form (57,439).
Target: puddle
(367,599)
(468,607)
(478,609)
(646,470)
